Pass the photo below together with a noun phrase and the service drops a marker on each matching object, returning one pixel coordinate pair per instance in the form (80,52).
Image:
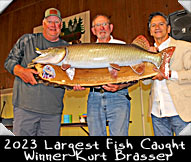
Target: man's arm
(14,59)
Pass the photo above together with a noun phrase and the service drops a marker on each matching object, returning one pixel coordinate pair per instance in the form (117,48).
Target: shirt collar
(163,45)
(111,39)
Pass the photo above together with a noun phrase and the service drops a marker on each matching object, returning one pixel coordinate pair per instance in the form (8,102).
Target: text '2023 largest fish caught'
(101,55)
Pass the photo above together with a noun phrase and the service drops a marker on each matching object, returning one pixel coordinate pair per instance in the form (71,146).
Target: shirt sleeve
(16,55)
(184,76)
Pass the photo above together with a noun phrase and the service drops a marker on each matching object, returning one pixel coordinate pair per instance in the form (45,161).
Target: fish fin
(38,51)
(166,59)
(139,68)
(65,66)
(113,72)
(141,41)
(115,66)
(70,73)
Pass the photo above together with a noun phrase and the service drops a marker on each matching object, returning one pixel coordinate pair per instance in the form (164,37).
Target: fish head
(50,55)
(45,51)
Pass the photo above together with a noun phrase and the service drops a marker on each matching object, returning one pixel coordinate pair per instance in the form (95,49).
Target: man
(170,97)
(37,108)
(110,102)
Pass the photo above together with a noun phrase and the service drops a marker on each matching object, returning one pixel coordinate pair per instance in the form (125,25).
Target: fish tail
(166,57)
(167,54)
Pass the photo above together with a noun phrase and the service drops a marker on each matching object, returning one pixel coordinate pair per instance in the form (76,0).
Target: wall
(128,16)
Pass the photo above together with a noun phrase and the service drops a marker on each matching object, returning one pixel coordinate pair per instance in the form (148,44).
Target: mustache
(102,31)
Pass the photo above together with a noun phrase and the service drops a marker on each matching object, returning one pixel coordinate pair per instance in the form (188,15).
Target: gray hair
(107,17)
(157,14)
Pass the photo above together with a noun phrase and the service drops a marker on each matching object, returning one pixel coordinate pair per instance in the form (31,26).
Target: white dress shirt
(112,40)
(163,105)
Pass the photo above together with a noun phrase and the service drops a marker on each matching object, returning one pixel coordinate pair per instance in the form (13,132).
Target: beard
(103,34)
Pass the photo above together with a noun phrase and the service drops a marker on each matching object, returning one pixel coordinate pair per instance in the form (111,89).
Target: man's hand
(111,87)
(116,87)
(159,76)
(25,74)
(78,88)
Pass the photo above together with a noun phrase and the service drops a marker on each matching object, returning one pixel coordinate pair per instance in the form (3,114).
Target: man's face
(101,28)
(159,28)
(52,26)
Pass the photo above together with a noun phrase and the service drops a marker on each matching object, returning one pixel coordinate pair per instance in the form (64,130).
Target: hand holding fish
(112,87)
(160,75)
(78,87)
(108,87)
(116,87)
(25,74)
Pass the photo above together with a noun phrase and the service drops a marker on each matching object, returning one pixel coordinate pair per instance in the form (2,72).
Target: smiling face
(102,29)
(159,29)
(52,26)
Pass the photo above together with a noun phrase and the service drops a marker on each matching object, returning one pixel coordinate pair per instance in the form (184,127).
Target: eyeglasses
(101,24)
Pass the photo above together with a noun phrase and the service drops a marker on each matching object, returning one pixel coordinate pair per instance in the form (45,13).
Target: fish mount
(52,72)
(90,77)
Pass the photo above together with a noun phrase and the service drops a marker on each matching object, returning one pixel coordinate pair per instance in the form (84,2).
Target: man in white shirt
(109,102)
(168,115)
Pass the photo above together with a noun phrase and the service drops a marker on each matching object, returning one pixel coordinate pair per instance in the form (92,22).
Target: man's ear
(169,29)
(111,27)
(43,22)
(93,30)
(61,25)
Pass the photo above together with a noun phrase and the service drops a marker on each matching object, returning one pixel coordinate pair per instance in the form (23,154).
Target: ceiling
(4,4)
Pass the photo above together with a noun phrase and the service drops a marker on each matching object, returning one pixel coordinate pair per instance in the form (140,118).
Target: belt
(100,90)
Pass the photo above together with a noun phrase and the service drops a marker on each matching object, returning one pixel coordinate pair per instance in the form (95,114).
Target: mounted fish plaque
(92,64)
